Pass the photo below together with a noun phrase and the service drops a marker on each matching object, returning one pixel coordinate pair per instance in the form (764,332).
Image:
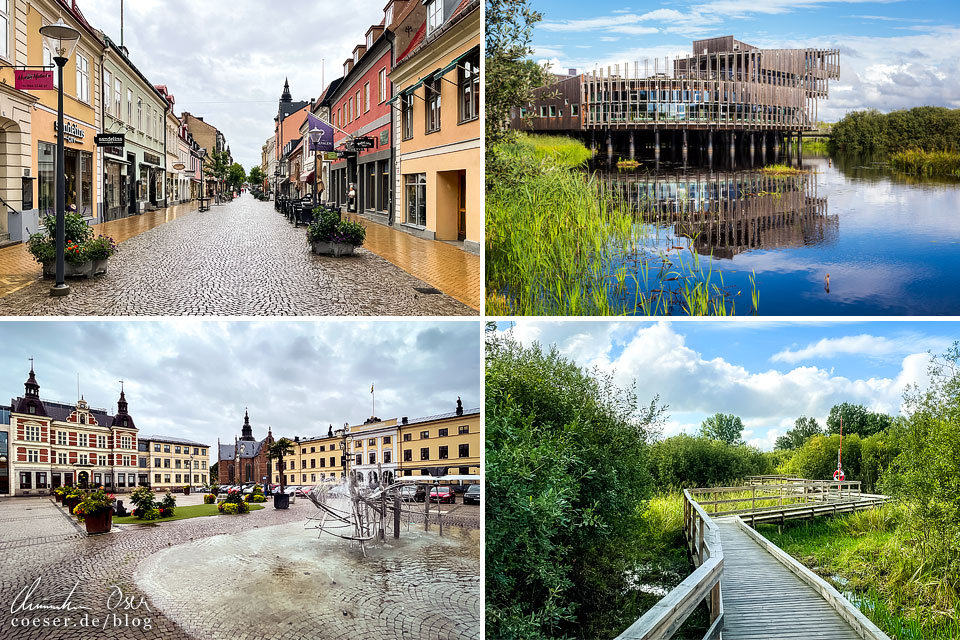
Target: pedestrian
(352,198)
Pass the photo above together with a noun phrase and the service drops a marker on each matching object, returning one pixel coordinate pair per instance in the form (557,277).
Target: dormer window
(31,409)
(356,56)
(434,15)
(370,40)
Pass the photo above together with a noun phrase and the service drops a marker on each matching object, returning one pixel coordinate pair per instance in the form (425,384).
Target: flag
(371,388)
(325,141)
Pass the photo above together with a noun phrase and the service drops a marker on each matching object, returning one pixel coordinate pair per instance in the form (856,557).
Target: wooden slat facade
(724,85)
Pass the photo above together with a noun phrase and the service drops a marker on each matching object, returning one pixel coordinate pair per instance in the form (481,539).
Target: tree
(217,166)
(689,461)
(257,176)
(567,484)
(857,419)
(803,429)
(277,450)
(724,427)
(510,76)
(215,473)
(236,176)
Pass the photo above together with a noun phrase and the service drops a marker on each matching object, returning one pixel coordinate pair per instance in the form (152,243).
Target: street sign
(110,139)
(838,475)
(363,143)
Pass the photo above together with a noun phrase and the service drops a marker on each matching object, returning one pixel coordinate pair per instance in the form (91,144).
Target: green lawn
(181,513)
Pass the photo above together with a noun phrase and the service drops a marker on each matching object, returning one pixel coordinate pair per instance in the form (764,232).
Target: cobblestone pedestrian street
(260,575)
(242,258)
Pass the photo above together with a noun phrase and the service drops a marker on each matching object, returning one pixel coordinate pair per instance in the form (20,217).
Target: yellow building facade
(439,126)
(172,463)
(452,441)
(315,460)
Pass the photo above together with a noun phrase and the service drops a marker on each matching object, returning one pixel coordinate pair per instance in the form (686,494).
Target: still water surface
(889,243)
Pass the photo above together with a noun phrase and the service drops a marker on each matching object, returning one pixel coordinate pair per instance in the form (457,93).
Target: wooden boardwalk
(763,599)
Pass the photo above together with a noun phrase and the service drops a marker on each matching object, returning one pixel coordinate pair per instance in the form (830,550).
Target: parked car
(472,494)
(408,493)
(443,494)
(248,488)
(291,490)
(304,490)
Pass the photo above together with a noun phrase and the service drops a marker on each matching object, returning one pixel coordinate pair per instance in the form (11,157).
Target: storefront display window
(416,186)
(78,179)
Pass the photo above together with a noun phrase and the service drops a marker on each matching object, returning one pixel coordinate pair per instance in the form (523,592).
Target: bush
(101,248)
(255,498)
(685,461)
(144,499)
(151,514)
(567,485)
(167,505)
(230,509)
(209,499)
(328,227)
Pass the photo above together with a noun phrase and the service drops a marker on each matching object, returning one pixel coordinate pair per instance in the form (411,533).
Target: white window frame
(83,78)
(82,440)
(129,106)
(31,433)
(33,455)
(107,89)
(366,97)
(48,62)
(434,16)
(383,84)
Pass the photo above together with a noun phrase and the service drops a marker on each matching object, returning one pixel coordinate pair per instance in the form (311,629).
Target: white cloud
(864,345)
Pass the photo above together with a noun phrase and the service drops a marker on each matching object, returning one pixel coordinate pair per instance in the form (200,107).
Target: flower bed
(234,503)
(83,255)
(209,499)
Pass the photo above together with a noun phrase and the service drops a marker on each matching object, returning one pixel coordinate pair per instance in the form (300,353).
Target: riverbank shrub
(567,487)
(926,128)
(685,461)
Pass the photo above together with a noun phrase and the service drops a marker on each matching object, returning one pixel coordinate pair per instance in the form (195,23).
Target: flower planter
(281,501)
(99,522)
(99,266)
(322,248)
(84,269)
(70,503)
(186,491)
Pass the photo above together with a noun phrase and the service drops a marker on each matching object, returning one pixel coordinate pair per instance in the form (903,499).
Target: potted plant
(329,235)
(98,251)
(59,492)
(279,449)
(186,491)
(83,255)
(72,498)
(96,512)
(209,499)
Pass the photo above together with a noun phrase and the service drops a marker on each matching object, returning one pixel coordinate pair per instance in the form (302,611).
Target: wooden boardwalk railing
(758,575)
(703,542)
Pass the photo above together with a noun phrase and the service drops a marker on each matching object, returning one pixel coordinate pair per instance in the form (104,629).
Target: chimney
(572,72)
(404,421)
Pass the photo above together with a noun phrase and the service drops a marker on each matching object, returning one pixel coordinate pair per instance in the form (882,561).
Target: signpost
(110,139)
(33,79)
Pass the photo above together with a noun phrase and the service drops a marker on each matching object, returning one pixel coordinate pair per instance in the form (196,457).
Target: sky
(193,380)
(226,61)
(767,373)
(893,53)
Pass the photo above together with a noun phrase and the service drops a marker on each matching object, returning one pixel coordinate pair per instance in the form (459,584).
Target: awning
(306,176)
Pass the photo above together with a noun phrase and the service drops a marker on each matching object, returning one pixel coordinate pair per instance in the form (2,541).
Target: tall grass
(874,557)
(815,145)
(555,236)
(927,163)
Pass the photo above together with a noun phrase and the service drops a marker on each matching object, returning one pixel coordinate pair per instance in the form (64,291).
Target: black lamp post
(62,40)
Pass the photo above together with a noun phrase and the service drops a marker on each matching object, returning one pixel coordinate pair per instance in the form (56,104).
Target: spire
(30,402)
(247,429)
(286,96)
(123,418)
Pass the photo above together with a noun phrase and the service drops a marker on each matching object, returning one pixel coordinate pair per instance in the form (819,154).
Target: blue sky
(894,53)
(768,373)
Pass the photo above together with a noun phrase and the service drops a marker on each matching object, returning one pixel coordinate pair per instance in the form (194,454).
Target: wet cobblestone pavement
(242,258)
(437,598)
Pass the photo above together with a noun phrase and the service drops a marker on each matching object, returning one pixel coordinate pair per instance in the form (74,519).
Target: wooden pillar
(656,144)
(633,149)
(684,146)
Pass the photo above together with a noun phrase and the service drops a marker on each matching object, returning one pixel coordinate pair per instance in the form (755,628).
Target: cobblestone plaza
(262,575)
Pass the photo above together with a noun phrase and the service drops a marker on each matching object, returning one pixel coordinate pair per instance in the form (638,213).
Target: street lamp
(315,135)
(61,39)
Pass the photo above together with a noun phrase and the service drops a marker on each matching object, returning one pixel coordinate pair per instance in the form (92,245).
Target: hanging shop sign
(179,166)
(110,140)
(363,143)
(33,79)
(324,135)
(150,158)
(72,132)
(385,137)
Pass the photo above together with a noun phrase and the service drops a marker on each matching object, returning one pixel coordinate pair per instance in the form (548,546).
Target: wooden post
(396,516)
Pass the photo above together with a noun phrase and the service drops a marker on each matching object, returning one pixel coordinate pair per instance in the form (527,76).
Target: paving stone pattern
(242,258)
(96,563)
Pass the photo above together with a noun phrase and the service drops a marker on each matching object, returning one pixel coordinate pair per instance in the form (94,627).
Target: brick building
(56,443)
(246,459)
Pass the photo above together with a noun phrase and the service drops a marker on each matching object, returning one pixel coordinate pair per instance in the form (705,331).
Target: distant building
(451,443)
(246,459)
(168,463)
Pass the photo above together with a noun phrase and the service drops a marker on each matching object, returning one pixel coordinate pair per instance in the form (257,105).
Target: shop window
(416,187)
(370,196)
(26,480)
(469,87)
(384,194)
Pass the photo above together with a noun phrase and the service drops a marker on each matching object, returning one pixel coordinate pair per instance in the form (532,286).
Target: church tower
(247,429)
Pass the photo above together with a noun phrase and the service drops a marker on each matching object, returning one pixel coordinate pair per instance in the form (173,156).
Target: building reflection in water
(726,213)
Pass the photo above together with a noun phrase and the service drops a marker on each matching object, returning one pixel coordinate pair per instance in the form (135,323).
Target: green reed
(927,163)
(555,232)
